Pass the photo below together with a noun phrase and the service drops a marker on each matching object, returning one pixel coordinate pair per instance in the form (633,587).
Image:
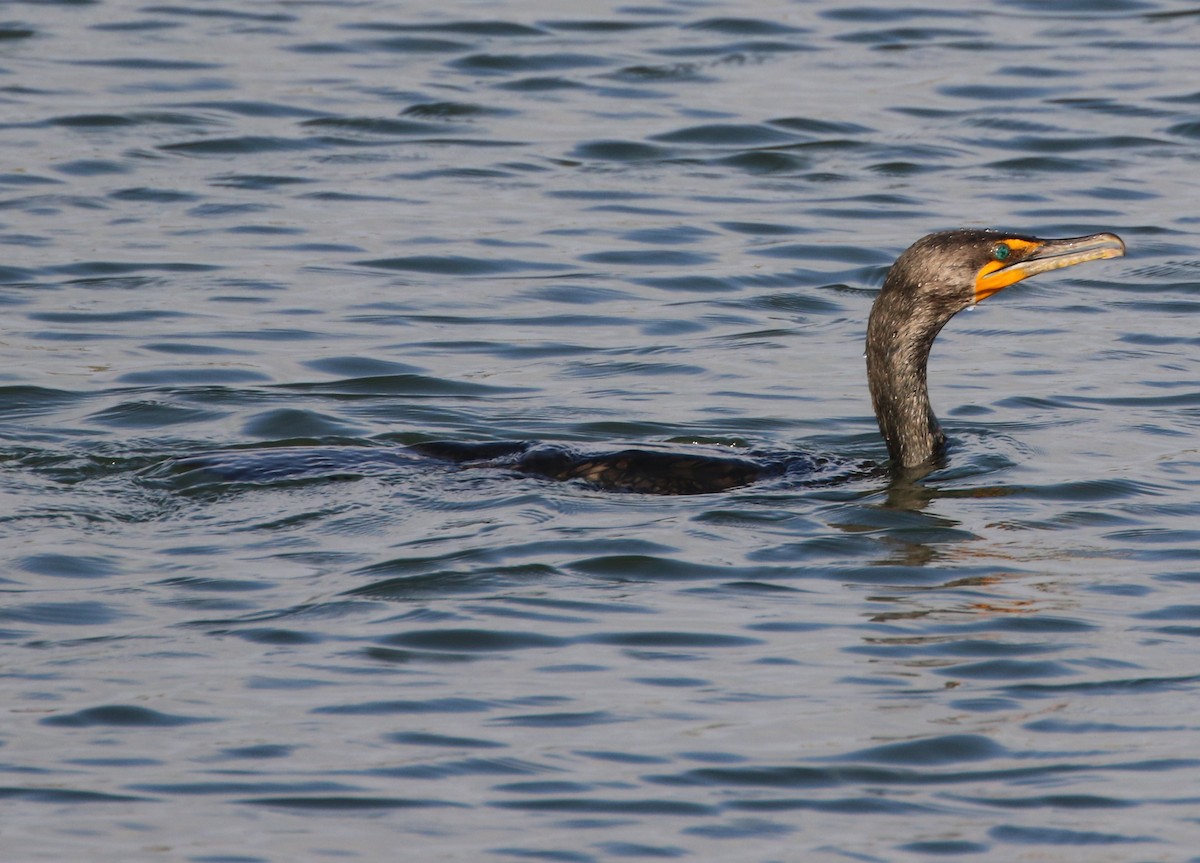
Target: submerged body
(697,470)
(639,470)
(933,280)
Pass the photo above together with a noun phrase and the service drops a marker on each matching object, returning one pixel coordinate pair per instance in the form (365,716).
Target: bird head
(952,270)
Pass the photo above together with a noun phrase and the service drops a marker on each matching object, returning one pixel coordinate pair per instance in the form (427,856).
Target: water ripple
(254,254)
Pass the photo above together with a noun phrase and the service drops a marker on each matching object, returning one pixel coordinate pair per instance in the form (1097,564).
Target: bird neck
(900,335)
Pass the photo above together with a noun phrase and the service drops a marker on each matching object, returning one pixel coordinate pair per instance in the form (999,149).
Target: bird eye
(1000,251)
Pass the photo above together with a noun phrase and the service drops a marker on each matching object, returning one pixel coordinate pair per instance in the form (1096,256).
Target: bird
(934,279)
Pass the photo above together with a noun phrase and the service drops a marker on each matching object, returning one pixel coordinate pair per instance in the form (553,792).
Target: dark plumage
(650,471)
(933,280)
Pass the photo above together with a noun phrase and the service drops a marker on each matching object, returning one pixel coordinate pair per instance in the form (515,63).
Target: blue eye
(1000,251)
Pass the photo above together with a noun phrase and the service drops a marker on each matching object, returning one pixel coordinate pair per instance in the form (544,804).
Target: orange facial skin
(1027,258)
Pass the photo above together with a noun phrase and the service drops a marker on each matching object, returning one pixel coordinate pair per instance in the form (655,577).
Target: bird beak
(1041,256)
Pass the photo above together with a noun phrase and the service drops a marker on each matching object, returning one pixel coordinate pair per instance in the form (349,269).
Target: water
(306,234)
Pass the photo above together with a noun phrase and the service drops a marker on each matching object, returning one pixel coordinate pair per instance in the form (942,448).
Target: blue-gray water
(335,228)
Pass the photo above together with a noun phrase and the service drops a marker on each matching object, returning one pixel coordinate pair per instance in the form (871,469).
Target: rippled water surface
(296,236)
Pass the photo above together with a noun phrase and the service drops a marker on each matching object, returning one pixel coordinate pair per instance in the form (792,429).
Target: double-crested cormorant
(932,281)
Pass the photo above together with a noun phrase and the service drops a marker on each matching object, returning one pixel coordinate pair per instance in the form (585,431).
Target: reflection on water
(254,252)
